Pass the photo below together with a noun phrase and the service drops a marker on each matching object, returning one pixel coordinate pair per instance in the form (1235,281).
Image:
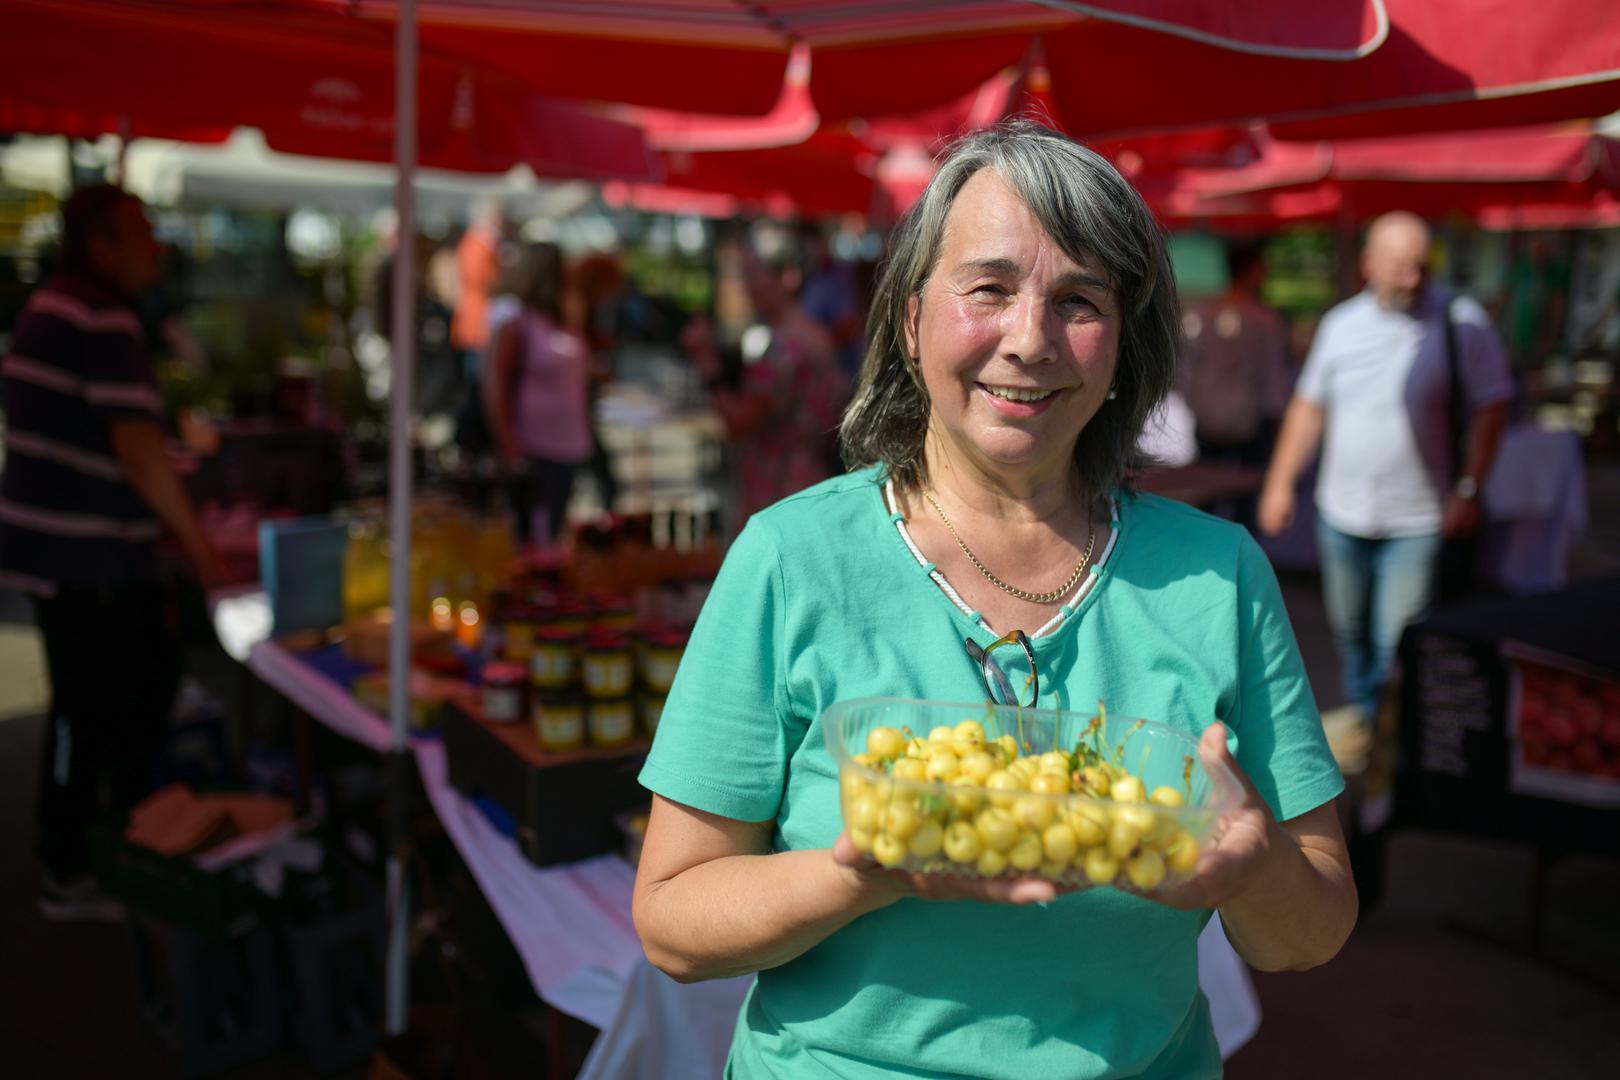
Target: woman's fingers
(845,853)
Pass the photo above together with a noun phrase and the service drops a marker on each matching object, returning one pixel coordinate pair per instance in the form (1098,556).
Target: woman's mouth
(1018,400)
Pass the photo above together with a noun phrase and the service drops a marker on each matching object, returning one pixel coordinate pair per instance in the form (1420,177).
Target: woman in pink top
(537,395)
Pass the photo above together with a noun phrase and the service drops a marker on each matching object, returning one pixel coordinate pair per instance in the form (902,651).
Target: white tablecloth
(572,927)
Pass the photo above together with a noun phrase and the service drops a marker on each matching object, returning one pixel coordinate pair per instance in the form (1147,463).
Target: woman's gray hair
(1095,216)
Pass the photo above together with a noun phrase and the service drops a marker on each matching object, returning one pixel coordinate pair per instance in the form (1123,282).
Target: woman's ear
(910,329)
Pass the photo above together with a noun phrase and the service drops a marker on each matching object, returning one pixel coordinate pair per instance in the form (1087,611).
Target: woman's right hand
(868,875)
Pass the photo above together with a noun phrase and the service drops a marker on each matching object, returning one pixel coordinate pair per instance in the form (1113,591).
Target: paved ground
(1414,994)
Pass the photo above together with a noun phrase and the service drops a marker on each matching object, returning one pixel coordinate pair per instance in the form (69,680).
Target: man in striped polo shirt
(87,487)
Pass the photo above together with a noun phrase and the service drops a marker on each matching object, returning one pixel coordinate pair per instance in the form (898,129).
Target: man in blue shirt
(88,486)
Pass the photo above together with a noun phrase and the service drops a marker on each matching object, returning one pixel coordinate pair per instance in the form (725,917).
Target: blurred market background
(665,148)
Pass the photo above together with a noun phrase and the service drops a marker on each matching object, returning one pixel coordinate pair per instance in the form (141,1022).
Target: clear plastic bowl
(1142,844)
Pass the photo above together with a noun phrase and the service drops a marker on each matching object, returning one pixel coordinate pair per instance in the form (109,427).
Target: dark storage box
(334,968)
(563,803)
(211,998)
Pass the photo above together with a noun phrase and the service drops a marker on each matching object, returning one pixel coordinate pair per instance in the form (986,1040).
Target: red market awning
(314,84)
(1602,211)
(718,56)
(1511,65)
(832,172)
(1450,65)
(1435,175)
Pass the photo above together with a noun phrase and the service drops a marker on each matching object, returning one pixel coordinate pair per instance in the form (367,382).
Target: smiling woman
(1024,327)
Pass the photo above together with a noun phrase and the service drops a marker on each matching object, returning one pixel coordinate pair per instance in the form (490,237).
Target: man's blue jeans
(1373,588)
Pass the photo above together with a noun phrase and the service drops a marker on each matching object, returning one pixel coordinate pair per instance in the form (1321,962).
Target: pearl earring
(1112,394)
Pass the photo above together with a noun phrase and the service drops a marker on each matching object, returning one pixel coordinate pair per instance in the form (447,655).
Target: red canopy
(870,59)
(1446,64)
(313,83)
(1560,165)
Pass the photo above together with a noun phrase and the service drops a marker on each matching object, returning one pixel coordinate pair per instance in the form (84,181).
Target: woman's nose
(1027,333)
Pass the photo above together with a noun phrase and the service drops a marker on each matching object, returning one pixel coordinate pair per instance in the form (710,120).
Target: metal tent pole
(401,391)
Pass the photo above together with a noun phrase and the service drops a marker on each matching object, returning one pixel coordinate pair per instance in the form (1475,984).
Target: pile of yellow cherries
(962,802)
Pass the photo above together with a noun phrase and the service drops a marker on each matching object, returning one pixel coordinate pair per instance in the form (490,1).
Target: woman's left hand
(1240,845)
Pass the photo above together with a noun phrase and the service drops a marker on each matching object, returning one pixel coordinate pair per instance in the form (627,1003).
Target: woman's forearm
(1299,912)
(745,913)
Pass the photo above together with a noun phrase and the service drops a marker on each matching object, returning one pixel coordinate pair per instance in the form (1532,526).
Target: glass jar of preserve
(518,636)
(606,667)
(612,721)
(503,692)
(559,719)
(554,660)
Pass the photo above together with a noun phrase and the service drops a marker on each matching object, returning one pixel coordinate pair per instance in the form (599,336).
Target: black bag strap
(1456,405)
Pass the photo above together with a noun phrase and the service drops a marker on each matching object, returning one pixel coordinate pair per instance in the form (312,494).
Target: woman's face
(1017,342)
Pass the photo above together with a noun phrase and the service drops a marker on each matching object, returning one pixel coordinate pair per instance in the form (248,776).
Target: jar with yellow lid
(607,668)
(660,657)
(554,659)
(559,720)
(612,721)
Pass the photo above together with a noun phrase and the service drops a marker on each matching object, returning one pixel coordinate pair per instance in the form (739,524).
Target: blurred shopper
(1378,382)
(783,419)
(439,386)
(829,295)
(478,271)
(1539,300)
(88,486)
(537,396)
(471,273)
(1234,372)
(598,283)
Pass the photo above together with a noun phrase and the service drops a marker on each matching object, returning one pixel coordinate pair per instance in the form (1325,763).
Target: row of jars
(601,663)
(567,720)
(576,687)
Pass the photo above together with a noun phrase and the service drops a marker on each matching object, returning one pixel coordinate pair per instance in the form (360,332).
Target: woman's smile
(1017,402)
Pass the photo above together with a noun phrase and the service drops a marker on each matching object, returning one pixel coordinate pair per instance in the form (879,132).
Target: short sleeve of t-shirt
(722,744)
(1281,744)
(1313,377)
(119,383)
(1480,351)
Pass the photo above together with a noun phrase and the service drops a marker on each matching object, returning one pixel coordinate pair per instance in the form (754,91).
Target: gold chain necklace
(1033,598)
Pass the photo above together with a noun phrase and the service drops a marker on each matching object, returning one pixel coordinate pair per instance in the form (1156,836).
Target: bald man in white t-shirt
(1375,396)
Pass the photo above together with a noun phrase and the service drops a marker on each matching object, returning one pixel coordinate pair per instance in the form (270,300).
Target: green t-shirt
(819,601)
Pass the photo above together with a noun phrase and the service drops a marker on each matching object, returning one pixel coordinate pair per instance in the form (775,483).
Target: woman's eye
(1078,302)
(989,288)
